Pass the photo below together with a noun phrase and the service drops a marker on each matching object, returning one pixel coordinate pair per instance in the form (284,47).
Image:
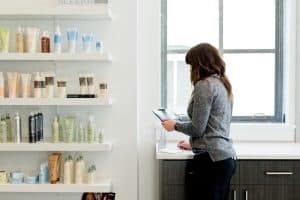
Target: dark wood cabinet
(253,180)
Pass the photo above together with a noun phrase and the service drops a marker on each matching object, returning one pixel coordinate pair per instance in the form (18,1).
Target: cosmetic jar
(99,46)
(30,180)
(16,177)
(3,177)
(61,88)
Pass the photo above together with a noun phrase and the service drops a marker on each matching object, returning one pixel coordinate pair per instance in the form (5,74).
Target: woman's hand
(169,124)
(184,145)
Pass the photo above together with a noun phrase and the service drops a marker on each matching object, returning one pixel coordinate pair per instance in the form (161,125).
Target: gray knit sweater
(210,111)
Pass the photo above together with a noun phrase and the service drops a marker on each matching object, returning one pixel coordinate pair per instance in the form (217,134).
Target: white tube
(26,86)
(31,38)
(61,88)
(83,83)
(12,84)
(1,85)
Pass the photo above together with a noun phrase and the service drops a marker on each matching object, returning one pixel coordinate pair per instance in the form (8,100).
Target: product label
(57,39)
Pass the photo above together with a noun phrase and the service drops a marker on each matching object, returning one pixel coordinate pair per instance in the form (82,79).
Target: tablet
(164,114)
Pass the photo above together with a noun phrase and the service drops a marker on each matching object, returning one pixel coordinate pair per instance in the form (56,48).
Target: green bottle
(3,130)
(55,131)
(91,130)
(8,125)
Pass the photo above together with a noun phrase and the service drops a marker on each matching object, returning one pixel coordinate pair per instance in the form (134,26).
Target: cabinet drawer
(174,172)
(267,172)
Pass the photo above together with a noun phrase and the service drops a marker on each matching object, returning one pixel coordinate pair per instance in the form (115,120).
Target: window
(249,35)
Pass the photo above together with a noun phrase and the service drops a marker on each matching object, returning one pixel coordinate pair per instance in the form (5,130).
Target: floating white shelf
(100,11)
(101,186)
(53,102)
(104,57)
(48,147)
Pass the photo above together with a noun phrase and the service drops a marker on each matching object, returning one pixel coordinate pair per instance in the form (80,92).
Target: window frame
(279,116)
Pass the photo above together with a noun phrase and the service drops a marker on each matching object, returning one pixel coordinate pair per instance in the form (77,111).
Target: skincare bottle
(55,131)
(17,128)
(83,84)
(41,126)
(79,171)
(69,171)
(31,127)
(91,129)
(99,46)
(49,80)
(1,85)
(38,85)
(13,78)
(90,83)
(103,92)
(26,82)
(3,130)
(61,88)
(8,125)
(92,174)
(81,133)
(4,39)
(45,42)
(20,40)
(72,35)
(37,126)
(57,40)
(31,39)
(61,128)
(44,173)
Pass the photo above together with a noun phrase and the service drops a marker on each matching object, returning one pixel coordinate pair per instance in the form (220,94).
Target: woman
(210,111)
(88,196)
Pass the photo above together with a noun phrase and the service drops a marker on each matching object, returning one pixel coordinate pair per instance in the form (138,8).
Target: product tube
(31,38)
(70,129)
(4,40)
(26,83)
(54,167)
(38,85)
(20,40)
(57,40)
(87,42)
(72,38)
(12,84)
(1,85)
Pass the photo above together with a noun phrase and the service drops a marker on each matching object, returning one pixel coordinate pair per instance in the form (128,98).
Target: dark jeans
(208,180)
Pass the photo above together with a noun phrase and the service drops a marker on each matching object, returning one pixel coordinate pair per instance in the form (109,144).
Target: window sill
(262,132)
(249,132)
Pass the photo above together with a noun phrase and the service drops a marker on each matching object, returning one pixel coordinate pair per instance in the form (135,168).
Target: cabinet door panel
(174,172)
(173,192)
(271,172)
(251,192)
(279,192)
(234,193)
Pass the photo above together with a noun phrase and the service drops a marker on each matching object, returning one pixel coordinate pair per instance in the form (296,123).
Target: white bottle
(20,40)
(57,40)
(38,86)
(69,171)
(79,171)
(91,129)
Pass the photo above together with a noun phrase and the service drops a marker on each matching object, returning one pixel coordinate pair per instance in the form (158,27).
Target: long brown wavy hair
(205,61)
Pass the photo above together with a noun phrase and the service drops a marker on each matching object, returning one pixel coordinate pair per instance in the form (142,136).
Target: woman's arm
(203,97)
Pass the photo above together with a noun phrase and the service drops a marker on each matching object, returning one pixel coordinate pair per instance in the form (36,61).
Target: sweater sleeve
(203,97)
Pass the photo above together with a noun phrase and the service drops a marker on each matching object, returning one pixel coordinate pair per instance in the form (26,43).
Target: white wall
(119,121)
(148,95)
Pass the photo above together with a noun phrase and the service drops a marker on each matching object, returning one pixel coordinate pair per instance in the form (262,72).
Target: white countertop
(272,151)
